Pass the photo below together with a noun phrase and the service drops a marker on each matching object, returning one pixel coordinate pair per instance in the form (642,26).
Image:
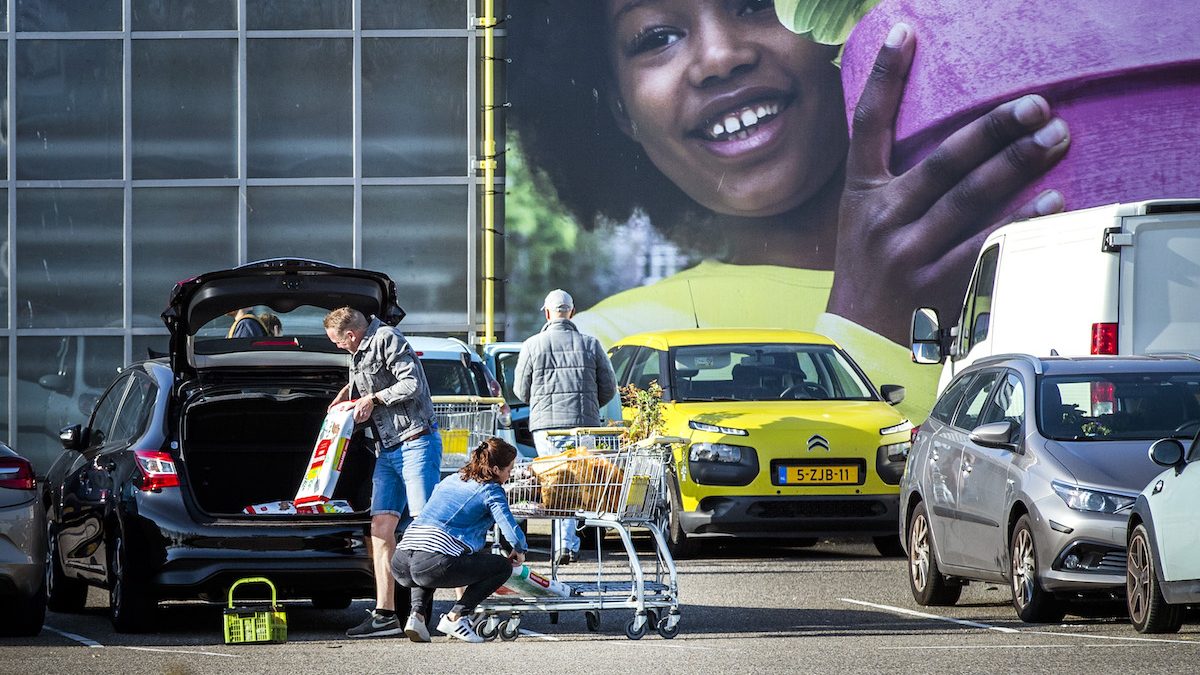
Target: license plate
(826,474)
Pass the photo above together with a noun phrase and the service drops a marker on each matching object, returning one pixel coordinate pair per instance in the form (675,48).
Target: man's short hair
(343,319)
(558,300)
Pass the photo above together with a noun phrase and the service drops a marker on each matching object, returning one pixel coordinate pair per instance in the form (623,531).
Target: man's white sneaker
(415,629)
(460,629)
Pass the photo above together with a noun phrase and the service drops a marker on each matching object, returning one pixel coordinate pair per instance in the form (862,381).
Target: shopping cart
(608,484)
(464,422)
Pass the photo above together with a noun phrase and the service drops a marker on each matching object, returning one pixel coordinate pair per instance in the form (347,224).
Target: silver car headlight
(1083,499)
(715,452)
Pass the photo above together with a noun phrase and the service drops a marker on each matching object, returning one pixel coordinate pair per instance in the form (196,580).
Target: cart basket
(258,623)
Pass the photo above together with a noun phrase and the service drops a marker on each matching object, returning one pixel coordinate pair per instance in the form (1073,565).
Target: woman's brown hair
(487,460)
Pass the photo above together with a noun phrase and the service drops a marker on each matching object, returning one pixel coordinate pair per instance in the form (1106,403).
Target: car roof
(720,336)
(1083,365)
(441,348)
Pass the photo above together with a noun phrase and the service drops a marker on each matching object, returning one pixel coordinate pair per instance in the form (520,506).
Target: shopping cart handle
(661,440)
(594,431)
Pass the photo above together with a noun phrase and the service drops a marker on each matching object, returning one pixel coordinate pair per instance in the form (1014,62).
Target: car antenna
(695,316)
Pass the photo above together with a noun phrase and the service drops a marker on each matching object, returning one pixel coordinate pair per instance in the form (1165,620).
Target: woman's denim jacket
(467,509)
(384,364)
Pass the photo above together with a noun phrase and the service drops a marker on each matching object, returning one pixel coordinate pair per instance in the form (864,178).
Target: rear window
(1136,406)
(260,328)
(450,378)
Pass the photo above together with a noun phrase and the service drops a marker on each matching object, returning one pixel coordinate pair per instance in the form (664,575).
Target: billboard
(680,163)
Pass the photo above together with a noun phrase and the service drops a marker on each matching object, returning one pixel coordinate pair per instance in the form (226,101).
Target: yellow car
(787,438)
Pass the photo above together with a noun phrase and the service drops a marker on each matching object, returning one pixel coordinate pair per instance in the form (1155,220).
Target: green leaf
(824,21)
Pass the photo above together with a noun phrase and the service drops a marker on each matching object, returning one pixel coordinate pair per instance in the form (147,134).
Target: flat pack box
(325,465)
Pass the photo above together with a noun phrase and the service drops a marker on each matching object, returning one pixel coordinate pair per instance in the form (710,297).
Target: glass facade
(147,141)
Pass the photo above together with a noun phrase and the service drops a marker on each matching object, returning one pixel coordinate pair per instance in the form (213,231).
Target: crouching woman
(443,548)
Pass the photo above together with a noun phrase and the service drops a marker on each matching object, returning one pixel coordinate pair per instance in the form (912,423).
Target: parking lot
(835,607)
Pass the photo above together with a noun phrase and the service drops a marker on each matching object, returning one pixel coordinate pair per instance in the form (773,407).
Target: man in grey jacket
(566,378)
(388,387)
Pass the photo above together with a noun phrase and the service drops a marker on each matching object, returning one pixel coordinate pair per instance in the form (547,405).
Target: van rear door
(1159,309)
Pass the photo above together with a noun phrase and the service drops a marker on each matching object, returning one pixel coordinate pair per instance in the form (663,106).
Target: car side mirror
(892,393)
(999,435)
(72,437)
(55,382)
(926,336)
(1166,452)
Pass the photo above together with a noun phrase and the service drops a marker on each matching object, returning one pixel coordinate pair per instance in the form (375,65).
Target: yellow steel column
(488,164)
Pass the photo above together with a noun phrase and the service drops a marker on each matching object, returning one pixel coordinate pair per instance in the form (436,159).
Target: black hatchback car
(149,498)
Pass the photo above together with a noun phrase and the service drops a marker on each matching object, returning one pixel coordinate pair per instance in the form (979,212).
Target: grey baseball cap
(558,300)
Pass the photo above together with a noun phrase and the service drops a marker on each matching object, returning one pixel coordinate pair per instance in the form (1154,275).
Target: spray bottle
(524,582)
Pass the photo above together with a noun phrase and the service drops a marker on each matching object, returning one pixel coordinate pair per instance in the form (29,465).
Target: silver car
(22,548)
(1026,470)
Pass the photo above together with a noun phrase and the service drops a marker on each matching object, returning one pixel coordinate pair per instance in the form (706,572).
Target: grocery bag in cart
(579,480)
(325,465)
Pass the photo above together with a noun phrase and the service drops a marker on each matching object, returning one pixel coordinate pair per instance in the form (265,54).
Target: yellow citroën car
(787,438)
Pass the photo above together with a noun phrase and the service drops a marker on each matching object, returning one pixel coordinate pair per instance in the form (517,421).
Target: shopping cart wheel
(509,630)
(635,632)
(487,628)
(593,620)
(666,630)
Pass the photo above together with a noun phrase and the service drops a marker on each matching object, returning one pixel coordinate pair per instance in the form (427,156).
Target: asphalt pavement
(837,607)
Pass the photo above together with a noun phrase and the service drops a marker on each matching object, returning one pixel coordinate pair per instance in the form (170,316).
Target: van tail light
(16,473)
(1103,397)
(158,470)
(1104,338)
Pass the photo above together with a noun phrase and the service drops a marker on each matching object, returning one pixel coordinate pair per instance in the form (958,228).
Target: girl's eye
(651,39)
(755,6)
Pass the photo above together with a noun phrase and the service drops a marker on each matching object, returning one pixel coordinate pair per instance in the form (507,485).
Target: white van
(1115,279)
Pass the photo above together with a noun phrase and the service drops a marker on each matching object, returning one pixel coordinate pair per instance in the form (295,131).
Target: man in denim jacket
(388,387)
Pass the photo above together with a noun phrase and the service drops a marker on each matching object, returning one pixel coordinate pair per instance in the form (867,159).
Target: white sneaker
(415,629)
(460,629)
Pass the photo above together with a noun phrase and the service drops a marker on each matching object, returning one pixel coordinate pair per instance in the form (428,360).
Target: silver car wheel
(1024,568)
(919,553)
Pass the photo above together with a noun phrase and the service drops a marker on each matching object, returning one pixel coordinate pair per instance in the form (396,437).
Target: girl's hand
(516,558)
(911,240)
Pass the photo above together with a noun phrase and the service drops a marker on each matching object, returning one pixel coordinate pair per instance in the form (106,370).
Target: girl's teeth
(749,119)
(738,124)
(718,129)
(761,111)
(732,125)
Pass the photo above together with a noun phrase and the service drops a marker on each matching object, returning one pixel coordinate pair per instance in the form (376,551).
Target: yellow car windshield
(766,372)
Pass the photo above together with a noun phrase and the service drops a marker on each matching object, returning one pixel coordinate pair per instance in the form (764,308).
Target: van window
(977,313)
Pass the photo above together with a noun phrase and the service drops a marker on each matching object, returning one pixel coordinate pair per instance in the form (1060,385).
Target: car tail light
(1104,338)
(16,473)
(916,428)
(158,470)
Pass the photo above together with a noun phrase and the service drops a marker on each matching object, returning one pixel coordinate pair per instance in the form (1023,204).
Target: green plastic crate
(258,623)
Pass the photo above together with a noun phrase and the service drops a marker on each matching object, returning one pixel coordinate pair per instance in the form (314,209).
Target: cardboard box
(325,465)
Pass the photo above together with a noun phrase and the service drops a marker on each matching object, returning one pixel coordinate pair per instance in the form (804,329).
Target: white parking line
(1074,645)
(542,636)
(92,644)
(77,638)
(935,617)
(1002,629)
(182,651)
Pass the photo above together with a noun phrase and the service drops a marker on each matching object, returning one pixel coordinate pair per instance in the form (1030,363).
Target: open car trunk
(251,448)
